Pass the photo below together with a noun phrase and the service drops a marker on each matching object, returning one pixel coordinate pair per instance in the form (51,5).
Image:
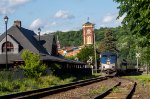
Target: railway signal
(76,59)
(89,61)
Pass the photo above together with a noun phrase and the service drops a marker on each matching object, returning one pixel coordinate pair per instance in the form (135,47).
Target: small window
(10,47)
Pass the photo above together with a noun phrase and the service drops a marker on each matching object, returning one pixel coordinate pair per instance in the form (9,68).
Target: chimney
(17,23)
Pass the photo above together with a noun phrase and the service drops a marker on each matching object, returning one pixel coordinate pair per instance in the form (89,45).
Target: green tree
(109,41)
(70,38)
(137,20)
(85,52)
(145,55)
(32,66)
(101,47)
(137,17)
(70,57)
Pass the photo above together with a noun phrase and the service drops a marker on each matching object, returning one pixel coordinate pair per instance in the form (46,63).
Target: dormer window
(10,47)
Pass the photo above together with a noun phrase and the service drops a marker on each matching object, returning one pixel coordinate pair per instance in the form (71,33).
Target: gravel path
(121,92)
(86,92)
(142,91)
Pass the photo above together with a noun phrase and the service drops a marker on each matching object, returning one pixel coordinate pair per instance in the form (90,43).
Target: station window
(10,47)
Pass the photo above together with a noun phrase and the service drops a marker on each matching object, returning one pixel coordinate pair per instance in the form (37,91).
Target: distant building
(69,51)
(19,39)
(88,33)
(88,38)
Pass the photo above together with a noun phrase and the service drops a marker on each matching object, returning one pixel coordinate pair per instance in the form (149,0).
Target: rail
(129,96)
(126,95)
(106,92)
(51,90)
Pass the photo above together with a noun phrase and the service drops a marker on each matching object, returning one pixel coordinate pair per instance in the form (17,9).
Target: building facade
(88,33)
(20,39)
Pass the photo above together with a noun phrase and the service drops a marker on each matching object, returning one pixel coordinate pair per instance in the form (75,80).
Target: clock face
(89,31)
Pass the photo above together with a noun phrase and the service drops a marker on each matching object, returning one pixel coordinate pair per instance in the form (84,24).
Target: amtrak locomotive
(108,61)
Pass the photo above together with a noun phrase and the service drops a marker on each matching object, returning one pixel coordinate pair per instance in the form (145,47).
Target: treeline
(71,38)
(75,38)
(125,42)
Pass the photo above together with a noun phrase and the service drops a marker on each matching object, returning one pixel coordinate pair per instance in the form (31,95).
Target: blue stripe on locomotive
(108,55)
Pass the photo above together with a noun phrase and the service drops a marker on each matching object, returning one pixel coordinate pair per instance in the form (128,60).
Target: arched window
(89,41)
(10,47)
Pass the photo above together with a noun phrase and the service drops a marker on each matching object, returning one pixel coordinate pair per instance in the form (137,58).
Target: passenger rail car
(108,61)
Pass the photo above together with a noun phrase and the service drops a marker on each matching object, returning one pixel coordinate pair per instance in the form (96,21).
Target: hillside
(75,38)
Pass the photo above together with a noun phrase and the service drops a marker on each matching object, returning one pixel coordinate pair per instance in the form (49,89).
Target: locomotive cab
(108,61)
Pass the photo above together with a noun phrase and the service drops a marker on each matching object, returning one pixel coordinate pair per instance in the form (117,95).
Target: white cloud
(17,2)
(63,14)
(121,18)
(102,25)
(48,24)
(36,24)
(108,18)
(9,6)
(111,20)
(52,24)
(48,31)
(43,24)
(71,29)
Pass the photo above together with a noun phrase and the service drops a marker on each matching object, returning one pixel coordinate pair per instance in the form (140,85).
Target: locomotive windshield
(111,56)
(104,58)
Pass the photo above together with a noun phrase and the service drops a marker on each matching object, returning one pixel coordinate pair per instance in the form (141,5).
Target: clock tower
(88,33)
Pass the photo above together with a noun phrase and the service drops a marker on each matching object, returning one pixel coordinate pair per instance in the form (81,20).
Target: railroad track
(52,90)
(124,89)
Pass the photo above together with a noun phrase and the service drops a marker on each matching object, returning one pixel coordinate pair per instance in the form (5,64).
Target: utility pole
(39,32)
(137,57)
(6,21)
(95,54)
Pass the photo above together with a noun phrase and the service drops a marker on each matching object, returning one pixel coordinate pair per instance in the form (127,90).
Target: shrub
(6,75)
(55,67)
(33,67)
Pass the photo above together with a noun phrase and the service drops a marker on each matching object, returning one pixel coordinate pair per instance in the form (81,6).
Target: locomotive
(108,62)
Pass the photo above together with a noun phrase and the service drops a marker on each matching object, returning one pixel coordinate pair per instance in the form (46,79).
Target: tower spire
(88,19)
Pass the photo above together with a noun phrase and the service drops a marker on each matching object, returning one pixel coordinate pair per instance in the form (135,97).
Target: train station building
(19,39)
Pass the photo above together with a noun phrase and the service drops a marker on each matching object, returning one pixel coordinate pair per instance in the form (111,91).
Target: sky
(59,15)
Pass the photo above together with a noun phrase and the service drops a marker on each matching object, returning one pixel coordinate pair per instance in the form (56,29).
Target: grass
(8,85)
(97,74)
(26,84)
(116,89)
(102,89)
(5,75)
(98,90)
(145,78)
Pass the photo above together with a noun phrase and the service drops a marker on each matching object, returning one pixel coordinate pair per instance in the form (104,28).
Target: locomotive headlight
(108,63)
